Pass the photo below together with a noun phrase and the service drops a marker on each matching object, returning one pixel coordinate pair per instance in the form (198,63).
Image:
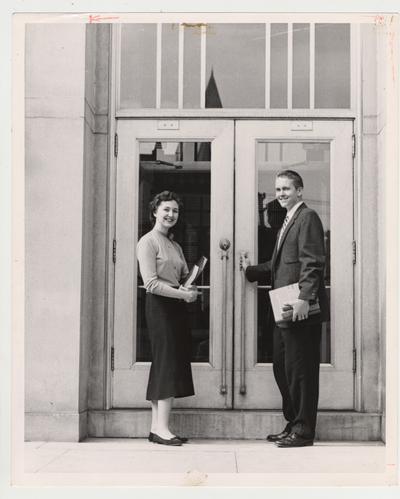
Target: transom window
(236,66)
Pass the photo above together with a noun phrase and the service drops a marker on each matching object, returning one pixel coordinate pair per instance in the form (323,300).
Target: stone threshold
(233,424)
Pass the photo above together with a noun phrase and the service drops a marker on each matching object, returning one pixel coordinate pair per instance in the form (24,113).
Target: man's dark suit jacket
(299,258)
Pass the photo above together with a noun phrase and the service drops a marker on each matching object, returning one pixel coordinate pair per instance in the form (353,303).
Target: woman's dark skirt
(168,326)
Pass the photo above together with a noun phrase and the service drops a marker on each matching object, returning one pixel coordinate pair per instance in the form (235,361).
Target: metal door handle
(224,245)
(242,389)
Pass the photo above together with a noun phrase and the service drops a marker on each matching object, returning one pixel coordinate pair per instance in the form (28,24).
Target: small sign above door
(168,125)
(301,125)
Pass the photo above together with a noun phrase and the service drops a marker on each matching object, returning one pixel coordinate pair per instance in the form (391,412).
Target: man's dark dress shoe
(278,436)
(150,438)
(294,440)
(166,441)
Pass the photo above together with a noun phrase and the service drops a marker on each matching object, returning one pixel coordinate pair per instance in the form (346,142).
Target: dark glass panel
(182,167)
(235,66)
(169,65)
(191,67)
(279,65)
(312,161)
(138,65)
(301,66)
(332,66)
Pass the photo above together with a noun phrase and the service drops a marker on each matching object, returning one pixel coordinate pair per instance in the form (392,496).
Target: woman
(163,267)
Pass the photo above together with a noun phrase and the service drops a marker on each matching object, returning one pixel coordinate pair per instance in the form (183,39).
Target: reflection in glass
(138,67)
(169,65)
(191,67)
(312,161)
(182,167)
(301,66)
(279,65)
(235,66)
(332,65)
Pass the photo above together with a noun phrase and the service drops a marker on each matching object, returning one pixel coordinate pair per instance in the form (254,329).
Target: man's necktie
(285,222)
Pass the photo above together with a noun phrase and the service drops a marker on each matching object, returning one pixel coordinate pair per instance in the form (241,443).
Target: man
(299,256)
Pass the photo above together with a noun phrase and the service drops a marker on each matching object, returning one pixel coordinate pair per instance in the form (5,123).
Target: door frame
(110,275)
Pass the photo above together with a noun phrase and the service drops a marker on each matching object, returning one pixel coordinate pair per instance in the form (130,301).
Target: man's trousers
(296,358)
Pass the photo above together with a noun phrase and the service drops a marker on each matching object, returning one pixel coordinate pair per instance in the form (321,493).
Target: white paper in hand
(286,295)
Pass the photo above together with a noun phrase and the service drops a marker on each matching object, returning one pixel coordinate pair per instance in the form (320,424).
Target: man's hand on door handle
(244,261)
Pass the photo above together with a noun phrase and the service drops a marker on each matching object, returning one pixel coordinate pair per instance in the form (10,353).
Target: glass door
(231,332)
(321,152)
(194,159)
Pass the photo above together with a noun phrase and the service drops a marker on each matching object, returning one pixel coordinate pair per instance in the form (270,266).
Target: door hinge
(112,358)
(116,145)
(354,360)
(114,254)
(354,252)
(353,146)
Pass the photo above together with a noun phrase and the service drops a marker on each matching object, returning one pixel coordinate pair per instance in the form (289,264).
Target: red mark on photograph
(380,20)
(392,40)
(98,18)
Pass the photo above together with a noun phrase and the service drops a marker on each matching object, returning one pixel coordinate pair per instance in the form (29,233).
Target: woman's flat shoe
(150,438)
(166,441)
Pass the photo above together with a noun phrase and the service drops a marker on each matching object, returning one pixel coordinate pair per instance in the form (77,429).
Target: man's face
(286,193)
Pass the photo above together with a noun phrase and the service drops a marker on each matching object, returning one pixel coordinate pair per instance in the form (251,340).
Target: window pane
(138,65)
(183,167)
(191,67)
(235,66)
(301,66)
(279,65)
(312,161)
(332,65)
(169,65)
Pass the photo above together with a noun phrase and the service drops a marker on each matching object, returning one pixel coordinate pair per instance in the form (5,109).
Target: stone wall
(66,183)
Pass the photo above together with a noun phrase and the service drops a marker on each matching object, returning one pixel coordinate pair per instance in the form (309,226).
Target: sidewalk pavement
(112,461)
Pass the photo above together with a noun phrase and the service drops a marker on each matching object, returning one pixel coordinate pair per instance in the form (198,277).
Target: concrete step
(233,424)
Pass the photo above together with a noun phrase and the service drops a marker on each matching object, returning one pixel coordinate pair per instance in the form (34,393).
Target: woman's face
(166,215)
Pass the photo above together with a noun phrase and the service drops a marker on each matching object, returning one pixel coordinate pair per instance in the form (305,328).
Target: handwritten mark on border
(98,18)
(380,20)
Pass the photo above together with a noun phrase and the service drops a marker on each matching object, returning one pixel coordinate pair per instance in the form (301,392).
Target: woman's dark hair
(158,199)
(297,180)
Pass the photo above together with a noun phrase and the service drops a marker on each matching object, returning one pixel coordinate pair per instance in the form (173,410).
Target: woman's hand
(191,293)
